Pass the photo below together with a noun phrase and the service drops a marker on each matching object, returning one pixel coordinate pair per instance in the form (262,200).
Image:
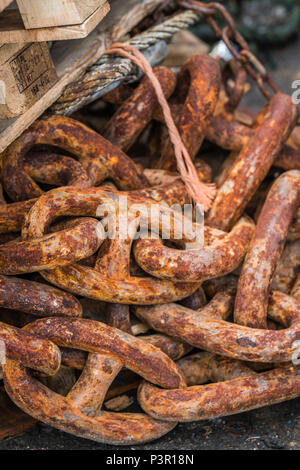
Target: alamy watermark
(2,352)
(296,353)
(296,93)
(121,219)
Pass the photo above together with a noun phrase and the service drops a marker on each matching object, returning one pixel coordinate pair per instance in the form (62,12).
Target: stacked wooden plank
(27,71)
(50,20)
(72,58)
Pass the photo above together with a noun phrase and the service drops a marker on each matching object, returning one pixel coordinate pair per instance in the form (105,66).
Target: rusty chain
(235,297)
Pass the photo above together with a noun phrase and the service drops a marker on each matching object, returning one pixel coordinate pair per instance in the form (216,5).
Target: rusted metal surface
(108,72)
(79,412)
(170,346)
(45,167)
(265,249)
(295,292)
(24,347)
(287,268)
(253,163)
(97,155)
(234,78)
(231,36)
(230,135)
(208,329)
(119,403)
(92,336)
(174,349)
(54,169)
(73,201)
(77,239)
(245,318)
(118,95)
(233,135)
(133,116)
(12,215)
(118,315)
(93,284)
(37,299)
(217,259)
(198,87)
(294,233)
(237,390)
(60,412)
(110,279)
(196,300)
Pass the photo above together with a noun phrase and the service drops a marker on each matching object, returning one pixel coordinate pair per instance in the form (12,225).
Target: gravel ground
(275,427)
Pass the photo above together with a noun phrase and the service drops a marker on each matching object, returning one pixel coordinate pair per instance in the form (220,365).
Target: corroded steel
(198,88)
(265,249)
(99,158)
(136,112)
(110,279)
(221,257)
(253,163)
(72,241)
(28,350)
(37,299)
(79,412)
(208,329)
(193,296)
(237,389)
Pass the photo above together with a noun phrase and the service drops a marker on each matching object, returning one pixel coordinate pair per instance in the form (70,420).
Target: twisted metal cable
(108,72)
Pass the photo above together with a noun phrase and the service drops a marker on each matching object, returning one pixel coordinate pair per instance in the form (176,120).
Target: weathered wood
(26,74)
(47,13)
(72,58)
(12,420)
(4,4)
(12,29)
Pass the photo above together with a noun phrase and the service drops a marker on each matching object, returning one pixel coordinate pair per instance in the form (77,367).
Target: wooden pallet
(51,20)
(71,58)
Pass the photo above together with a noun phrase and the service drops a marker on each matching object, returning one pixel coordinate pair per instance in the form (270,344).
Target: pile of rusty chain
(193,326)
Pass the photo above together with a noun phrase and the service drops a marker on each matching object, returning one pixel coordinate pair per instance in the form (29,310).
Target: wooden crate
(75,19)
(26,74)
(47,13)
(72,58)
(4,4)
